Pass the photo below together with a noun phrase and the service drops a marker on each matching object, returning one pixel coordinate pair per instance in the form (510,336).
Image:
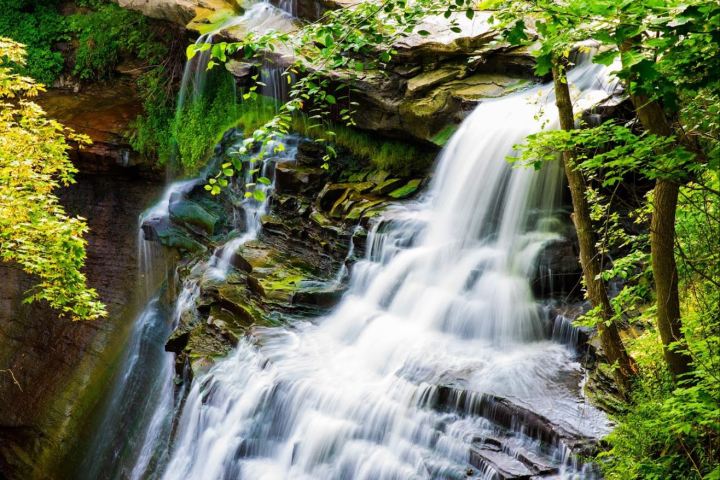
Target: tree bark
(662,246)
(589,256)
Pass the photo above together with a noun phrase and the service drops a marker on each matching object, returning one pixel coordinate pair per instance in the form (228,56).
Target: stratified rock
(176,11)
(236,260)
(175,238)
(427,80)
(326,297)
(407,189)
(387,186)
(294,179)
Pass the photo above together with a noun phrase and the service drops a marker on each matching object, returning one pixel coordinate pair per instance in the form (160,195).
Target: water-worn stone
(236,260)
(189,213)
(175,238)
(558,272)
(294,179)
(319,297)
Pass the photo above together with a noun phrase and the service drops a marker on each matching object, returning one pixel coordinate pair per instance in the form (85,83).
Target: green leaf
(606,58)
(259,195)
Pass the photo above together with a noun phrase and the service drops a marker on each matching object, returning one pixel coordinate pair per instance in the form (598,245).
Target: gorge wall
(54,369)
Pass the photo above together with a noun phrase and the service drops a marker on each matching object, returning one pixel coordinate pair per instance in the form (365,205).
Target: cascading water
(258,17)
(132,434)
(417,373)
(129,418)
(253,208)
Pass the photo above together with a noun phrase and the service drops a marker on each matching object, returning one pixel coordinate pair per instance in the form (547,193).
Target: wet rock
(406,190)
(502,412)
(294,179)
(359,209)
(310,154)
(387,186)
(191,214)
(207,342)
(319,297)
(505,466)
(236,260)
(558,272)
(233,298)
(175,238)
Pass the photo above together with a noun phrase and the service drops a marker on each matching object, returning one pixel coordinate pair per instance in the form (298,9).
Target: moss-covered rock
(406,190)
(175,238)
(191,214)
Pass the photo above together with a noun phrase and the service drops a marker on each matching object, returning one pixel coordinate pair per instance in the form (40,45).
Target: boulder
(188,213)
(293,179)
(175,238)
(175,11)
(558,271)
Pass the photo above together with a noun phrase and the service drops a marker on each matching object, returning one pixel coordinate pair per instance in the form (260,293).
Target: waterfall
(253,209)
(438,362)
(259,16)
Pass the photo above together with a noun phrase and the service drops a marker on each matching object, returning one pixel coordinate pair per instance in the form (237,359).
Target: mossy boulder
(192,215)
(174,237)
(406,190)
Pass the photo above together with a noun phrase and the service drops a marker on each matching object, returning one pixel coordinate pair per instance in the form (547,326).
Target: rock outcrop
(289,270)
(432,82)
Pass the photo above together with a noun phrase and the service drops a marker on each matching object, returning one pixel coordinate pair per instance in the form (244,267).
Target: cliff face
(52,368)
(432,83)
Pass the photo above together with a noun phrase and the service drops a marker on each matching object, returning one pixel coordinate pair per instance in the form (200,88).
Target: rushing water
(439,321)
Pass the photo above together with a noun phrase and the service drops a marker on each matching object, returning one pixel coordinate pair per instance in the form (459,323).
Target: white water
(252,210)
(442,298)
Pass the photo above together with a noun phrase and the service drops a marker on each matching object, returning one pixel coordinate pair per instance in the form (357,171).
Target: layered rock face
(313,217)
(431,84)
(53,369)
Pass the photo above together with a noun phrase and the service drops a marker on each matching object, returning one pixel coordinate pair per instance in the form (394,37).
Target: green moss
(407,189)
(102,33)
(185,138)
(442,137)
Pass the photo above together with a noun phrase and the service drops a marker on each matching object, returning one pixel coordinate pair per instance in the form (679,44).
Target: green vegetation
(101,33)
(669,426)
(35,232)
(186,137)
(342,45)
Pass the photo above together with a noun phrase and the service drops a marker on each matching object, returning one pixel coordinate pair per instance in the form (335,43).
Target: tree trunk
(589,256)
(662,238)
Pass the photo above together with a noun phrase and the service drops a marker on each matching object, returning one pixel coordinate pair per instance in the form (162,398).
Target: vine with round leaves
(328,56)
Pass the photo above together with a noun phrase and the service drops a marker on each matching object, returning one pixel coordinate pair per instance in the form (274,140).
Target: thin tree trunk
(589,256)
(662,247)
